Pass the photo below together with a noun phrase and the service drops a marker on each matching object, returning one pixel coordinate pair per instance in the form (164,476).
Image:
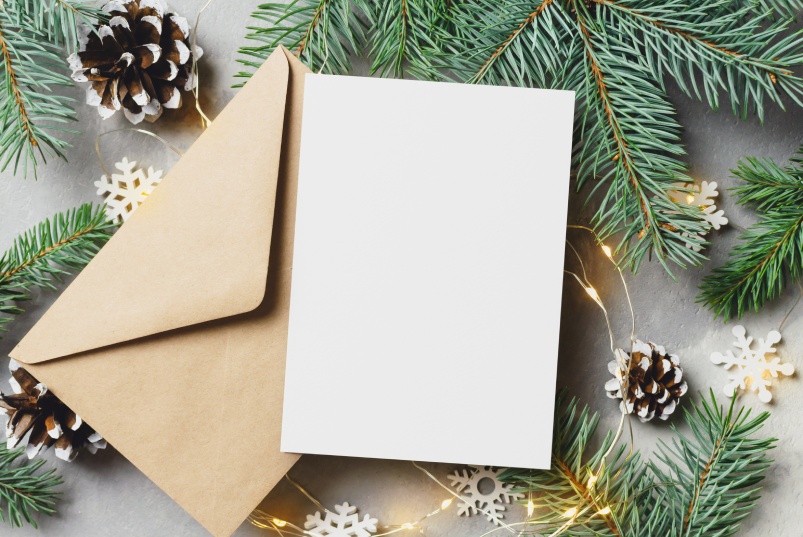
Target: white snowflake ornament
(703,196)
(126,191)
(753,368)
(491,502)
(345,522)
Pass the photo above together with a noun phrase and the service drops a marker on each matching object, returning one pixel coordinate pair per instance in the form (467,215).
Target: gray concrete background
(104,495)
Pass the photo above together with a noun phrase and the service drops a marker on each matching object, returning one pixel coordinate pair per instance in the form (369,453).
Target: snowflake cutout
(754,368)
(715,218)
(702,196)
(344,523)
(126,191)
(467,483)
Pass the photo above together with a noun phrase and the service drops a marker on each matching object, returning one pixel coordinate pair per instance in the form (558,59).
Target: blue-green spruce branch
(42,255)
(617,55)
(704,482)
(25,488)
(769,255)
(35,37)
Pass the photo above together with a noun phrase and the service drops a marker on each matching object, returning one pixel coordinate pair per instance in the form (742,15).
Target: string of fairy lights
(264,520)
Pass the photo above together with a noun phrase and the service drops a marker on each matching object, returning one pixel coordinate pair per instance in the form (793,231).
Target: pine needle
(42,255)
(704,483)
(403,36)
(322,33)
(617,55)
(769,255)
(33,118)
(25,489)
(715,472)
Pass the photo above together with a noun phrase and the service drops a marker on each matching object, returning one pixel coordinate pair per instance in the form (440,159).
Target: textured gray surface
(105,495)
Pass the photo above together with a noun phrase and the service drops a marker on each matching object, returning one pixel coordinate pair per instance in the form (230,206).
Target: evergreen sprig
(25,489)
(402,34)
(617,55)
(568,487)
(50,250)
(704,483)
(33,118)
(322,33)
(715,472)
(770,253)
(59,20)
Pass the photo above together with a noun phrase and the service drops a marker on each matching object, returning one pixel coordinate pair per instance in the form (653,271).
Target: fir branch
(631,142)
(780,8)
(769,187)
(568,486)
(43,254)
(31,116)
(704,482)
(322,33)
(59,20)
(734,53)
(617,56)
(25,489)
(511,42)
(402,33)
(769,255)
(715,471)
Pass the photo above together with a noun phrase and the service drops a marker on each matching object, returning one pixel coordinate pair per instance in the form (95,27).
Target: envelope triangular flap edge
(197,250)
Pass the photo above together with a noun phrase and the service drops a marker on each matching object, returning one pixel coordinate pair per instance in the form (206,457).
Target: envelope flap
(197,250)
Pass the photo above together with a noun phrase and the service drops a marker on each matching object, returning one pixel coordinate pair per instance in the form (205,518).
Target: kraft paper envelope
(171,343)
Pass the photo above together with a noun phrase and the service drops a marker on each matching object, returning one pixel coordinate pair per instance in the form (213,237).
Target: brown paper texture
(172,341)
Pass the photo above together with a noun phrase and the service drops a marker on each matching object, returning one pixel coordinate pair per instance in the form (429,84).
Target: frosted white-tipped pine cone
(139,61)
(654,382)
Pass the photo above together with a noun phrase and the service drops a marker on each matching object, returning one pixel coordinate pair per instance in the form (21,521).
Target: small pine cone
(33,409)
(655,383)
(138,61)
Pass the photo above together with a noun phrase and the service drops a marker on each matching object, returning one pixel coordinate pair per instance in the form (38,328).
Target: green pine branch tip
(35,38)
(26,488)
(769,255)
(702,483)
(42,255)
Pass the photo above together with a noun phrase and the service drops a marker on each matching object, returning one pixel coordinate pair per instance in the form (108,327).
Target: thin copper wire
(132,129)
(205,121)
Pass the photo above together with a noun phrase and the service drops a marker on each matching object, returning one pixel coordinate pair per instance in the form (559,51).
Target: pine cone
(655,383)
(138,62)
(32,408)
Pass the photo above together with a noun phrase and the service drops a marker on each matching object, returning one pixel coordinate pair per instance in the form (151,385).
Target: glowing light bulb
(446,503)
(592,480)
(570,513)
(604,511)
(407,526)
(279,523)
(607,250)
(530,508)
(690,199)
(592,293)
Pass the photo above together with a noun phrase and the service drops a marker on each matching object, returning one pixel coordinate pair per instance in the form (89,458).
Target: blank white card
(427,273)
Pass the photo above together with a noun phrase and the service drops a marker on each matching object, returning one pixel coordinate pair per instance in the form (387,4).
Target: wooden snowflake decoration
(490,501)
(703,196)
(344,522)
(751,368)
(126,191)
